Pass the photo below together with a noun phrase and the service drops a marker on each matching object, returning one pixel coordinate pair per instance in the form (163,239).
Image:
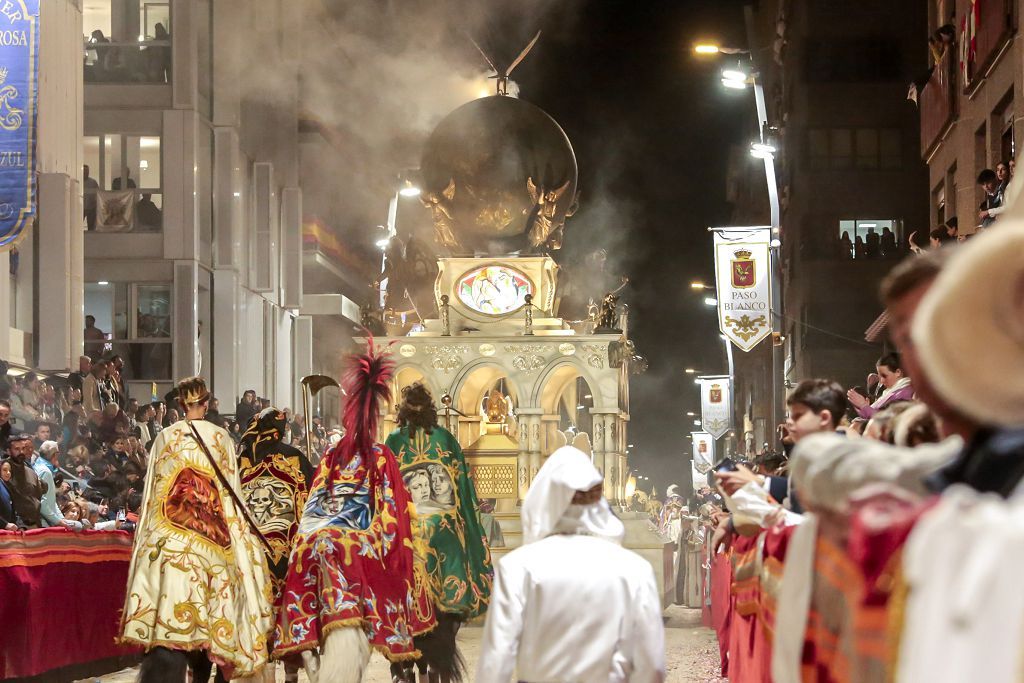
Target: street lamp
(690,413)
(409,189)
(692,371)
(710,301)
(736,79)
(714,49)
(763,150)
(698,284)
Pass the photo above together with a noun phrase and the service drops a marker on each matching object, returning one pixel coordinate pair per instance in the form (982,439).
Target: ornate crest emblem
(743,269)
(702,447)
(715,393)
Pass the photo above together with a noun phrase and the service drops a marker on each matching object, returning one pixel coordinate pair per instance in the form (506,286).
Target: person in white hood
(572,605)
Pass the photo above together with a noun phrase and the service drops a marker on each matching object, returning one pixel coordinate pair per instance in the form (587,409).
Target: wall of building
(41,306)
(841,75)
(973,141)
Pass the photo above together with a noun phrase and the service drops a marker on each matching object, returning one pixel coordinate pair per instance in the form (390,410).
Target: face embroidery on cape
(193,504)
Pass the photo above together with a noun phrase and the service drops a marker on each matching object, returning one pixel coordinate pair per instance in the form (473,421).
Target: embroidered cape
(458,561)
(353,561)
(198,579)
(275,485)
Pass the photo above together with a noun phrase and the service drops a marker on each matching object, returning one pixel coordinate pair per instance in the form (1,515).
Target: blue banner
(19,89)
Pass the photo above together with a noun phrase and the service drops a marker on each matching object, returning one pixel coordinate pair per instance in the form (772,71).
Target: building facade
(970,103)
(849,167)
(173,150)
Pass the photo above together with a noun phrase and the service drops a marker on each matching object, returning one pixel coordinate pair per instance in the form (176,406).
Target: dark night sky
(651,127)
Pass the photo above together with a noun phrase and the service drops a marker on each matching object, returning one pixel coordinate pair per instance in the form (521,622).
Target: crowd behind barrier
(882,545)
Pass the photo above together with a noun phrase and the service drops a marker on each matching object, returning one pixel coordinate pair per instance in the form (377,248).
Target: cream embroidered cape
(198,578)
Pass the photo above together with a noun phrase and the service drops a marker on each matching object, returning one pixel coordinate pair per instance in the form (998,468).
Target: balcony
(147,62)
(938,103)
(994,27)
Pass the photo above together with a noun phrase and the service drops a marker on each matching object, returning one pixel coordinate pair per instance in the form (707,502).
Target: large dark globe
(490,164)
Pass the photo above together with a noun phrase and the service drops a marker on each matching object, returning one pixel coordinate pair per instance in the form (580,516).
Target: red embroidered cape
(354,562)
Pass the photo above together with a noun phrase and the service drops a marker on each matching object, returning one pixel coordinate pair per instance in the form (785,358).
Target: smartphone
(726,465)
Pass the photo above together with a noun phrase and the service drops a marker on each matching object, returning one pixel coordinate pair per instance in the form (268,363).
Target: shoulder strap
(243,510)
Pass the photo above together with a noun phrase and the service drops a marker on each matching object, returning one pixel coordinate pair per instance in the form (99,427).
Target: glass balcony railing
(124,63)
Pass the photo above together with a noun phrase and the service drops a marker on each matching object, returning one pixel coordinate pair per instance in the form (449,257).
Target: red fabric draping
(748,661)
(721,604)
(62,593)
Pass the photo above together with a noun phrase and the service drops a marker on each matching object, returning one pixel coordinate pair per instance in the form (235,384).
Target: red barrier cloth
(62,594)
(748,660)
(721,604)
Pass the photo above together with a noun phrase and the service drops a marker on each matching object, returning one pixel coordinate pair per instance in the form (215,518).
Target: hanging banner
(699,479)
(19,83)
(703,451)
(715,402)
(743,276)
(115,210)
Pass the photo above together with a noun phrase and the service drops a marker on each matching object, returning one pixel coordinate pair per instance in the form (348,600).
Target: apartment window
(127,42)
(135,320)
(852,60)
(118,163)
(1007,147)
(870,238)
(861,148)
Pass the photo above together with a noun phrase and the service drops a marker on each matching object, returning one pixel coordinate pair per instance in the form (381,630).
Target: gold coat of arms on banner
(743,276)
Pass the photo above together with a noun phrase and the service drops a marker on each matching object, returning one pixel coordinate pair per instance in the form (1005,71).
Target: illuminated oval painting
(494,289)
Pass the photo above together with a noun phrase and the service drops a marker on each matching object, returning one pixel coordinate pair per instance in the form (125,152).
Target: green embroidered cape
(457,557)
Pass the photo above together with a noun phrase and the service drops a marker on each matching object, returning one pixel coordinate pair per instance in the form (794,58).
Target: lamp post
(764,149)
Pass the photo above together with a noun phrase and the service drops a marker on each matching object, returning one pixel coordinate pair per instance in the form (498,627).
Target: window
(119,162)
(127,42)
(135,322)
(1007,148)
(861,148)
(840,147)
(818,148)
(852,60)
(890,148)
(871,238)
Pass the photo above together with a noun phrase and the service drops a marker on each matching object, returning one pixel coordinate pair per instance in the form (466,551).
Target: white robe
(572,605)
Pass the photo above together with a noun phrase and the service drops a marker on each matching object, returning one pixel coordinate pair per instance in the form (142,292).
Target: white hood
(548,508)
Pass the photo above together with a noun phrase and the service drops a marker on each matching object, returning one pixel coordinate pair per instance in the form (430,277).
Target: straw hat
(969,329)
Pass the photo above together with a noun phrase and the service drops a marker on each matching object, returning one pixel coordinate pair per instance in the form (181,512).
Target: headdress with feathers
(366,382)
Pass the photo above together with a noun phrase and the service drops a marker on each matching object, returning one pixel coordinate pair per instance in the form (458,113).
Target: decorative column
(611,457)
(528,417)
(534,442)
(597,440)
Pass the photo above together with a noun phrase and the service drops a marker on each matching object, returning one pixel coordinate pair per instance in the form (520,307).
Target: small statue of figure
(440,209)
(608,319)
(545,208)
(496,407)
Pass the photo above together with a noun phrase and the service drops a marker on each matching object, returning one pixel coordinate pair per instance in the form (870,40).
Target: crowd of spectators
(75,455)
(894,495)
(148,61)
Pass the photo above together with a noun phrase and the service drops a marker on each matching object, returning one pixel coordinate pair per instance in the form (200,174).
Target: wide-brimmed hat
(969,329)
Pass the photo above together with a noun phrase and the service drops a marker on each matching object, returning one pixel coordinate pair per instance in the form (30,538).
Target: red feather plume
(366,382)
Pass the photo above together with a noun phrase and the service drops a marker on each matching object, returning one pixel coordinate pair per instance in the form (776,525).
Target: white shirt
(573,608)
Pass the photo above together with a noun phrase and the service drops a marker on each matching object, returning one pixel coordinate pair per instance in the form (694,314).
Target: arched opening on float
(567,400)
(472,394)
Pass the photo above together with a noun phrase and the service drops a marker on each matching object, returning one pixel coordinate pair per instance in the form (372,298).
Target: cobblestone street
(692,653)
